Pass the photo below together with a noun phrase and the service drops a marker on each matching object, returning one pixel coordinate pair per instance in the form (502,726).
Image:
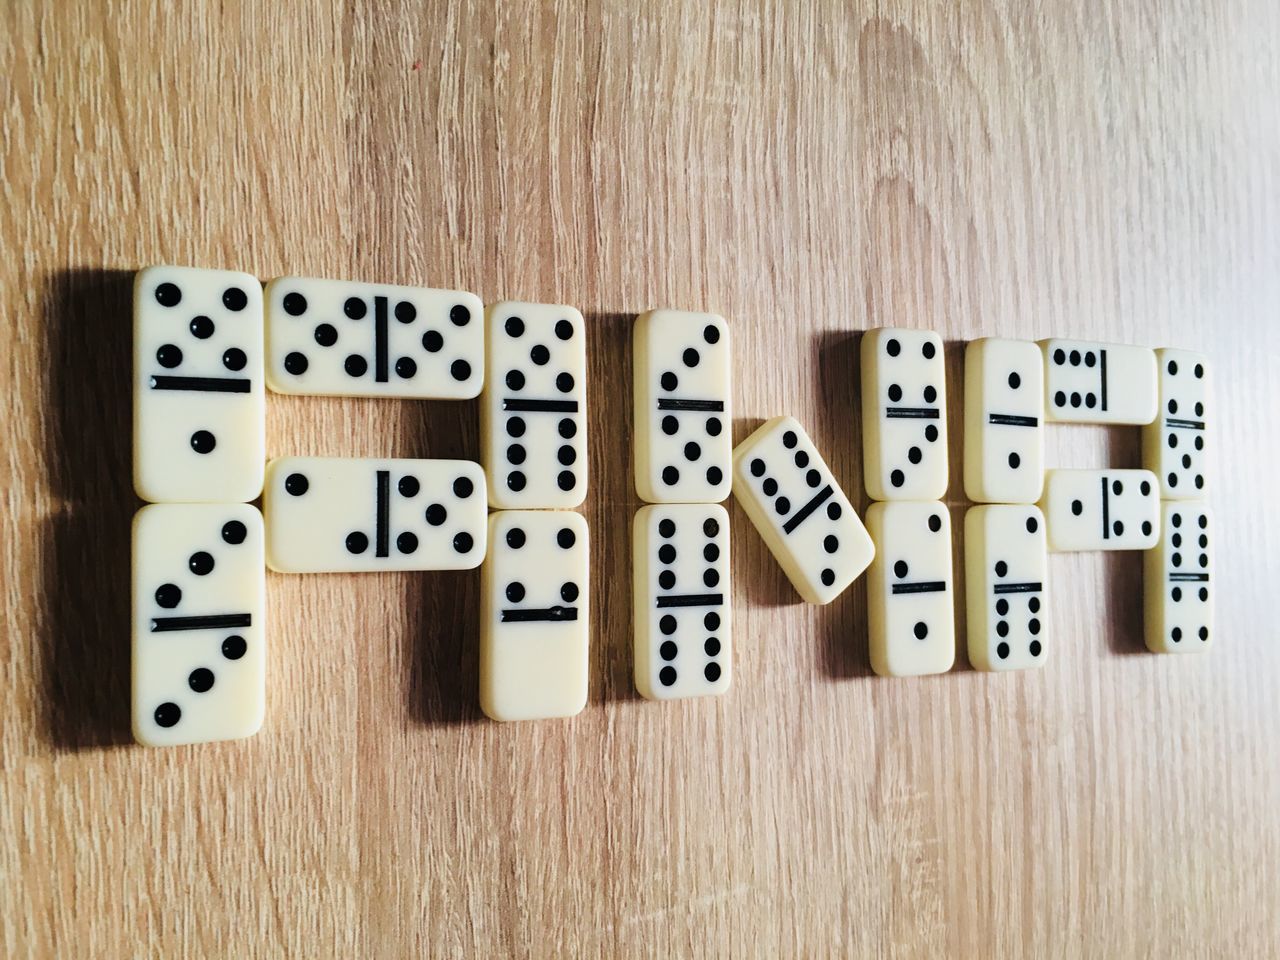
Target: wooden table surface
(1101,170)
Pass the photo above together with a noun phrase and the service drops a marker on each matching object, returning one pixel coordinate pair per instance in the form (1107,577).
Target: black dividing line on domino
(515,405)
(1102,373)
(202,384)
(1010,420)
(691,600)
(1174,423)
(1016,588)
(382,531)
(210,622)
(803,513)
(911,413)
(1106,511)
(1189,577)
(540,615)
(925,586)
(704,406)
(380,343)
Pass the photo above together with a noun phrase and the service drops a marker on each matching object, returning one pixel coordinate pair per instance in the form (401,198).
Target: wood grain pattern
(808,170)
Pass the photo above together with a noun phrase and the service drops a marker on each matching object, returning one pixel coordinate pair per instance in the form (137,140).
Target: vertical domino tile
(1177,578)
(682,441)
(198,624)
(1003,421)
(1006,574)
(1173,444)
(533,414)
(682,600)
(794,501)
(199,427)
(535,615)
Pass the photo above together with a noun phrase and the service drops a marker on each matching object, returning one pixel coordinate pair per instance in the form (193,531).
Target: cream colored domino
(535,615)
(1173,444)
(198,409)
(795,503)
(1178,580)
(199,632)
(683,414)
(533,415)
(904,415)
(911,619)
(354,339)
(682,600)
(1088,382)
(1101,509)
(1003,421)
(334,514)
(1006,580)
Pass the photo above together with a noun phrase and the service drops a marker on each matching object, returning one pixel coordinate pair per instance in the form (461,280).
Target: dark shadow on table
(86,327)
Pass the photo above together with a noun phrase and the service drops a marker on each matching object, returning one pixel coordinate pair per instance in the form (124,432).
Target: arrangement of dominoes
(208,342)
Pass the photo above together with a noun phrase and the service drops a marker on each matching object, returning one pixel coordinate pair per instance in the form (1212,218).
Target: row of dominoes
(420,515)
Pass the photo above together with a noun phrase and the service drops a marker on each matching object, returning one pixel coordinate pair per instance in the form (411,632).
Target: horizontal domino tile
(1101,509)
(533,413)
(356,339)
(1178,580)
(682,600)
(199,414)
(1088,382)
(910,592)
(1006,586)
(682,437)
(198,623)
(1173,445)
(1003,421)
(535,615)
(793,500)
(341,514)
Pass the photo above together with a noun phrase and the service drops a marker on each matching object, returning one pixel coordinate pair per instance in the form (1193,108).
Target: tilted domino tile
(535,619)
(683,446)
(534,408)
(354,339)
(335,514)
(1177,578)
(1173,444)
(904,415)
(682,600)
(1101,509)
(911,619)
(198,623)
(198,410)
(1006,573)
(1087,382)
(793,500)
(1003,421)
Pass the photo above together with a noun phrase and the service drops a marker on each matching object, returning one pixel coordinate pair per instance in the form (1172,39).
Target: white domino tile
(535,615)
(1006,586)
(910,614)
(682,600)
(1178,580)
(794,501)
(198,623)
(1088,382)
(904,415)
(198,409)
(1173,445)
(333,514)
(683,416)
(1101,509)
(1003,421)
(533,415)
